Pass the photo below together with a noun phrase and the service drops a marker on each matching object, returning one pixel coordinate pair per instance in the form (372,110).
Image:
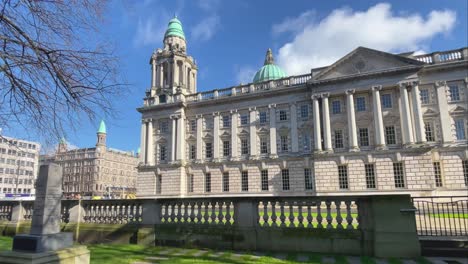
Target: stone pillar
(273,147)
(294,135)
(317,129)
(173,138)
(199,135)
(180,154)
(161,75)
(378,119)
(418,117)
(194,83)
(407,127)
(143,142)
(176,73)
(326,123)
(216,136)
(234,151)
(150,144)
(151,212)
(445,119)
(153,73)
(253,132)
(352,133)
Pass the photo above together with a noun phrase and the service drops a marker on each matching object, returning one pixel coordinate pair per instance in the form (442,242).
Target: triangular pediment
(458,110)
(243,132)
(263,130)
(225,134)
(364,60)
(430,112)
(208,135)
(191,138)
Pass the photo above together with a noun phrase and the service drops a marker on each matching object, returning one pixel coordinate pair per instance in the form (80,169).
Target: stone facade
(98,171)
(18,165)
(371,123)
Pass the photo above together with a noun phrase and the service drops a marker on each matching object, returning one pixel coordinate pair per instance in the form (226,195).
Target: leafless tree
(54,69)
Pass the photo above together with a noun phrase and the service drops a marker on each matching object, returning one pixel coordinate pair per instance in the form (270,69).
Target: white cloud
(322,43)
(149,31)
(244,74)
(208,5)
(294,24)
(206,28)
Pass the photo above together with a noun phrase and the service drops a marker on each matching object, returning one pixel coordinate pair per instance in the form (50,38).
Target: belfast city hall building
(371,123)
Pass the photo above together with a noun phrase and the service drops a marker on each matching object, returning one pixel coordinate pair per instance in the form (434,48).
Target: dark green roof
(269,70)
(174,28)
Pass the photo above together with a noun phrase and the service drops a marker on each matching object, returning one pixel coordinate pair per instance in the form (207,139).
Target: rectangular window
(399,175)
(208,150)
(360,104)
(263,117)
(437,174)
(339,139)
(460,129)
(162,152)
(226,182)
(370,176)
(245,181)
(193,152)
(264,175)
(429,132)
(190,183)
(285,179)
(244,147)
(343,177)
(304,111)
(390,135)
(226,121)
(158,183)
(193,125)
(424,94)
(244,120)
(386,100)
(263,145)
(454,93)
(163,126)
(465,171)
(207,182)
(284,143)
(226,148)
(283,115)
(363,137)
(336,107)
(309,182)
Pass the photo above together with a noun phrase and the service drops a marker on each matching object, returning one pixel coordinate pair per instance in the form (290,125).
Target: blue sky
(229,39)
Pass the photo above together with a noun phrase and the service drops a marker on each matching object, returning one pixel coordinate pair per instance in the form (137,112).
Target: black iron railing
(442,215)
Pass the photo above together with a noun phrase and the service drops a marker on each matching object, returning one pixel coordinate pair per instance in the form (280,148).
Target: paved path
(166,254)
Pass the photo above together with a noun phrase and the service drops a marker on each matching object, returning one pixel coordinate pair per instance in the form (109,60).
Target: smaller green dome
(174,28)
(102,127)
(269,70)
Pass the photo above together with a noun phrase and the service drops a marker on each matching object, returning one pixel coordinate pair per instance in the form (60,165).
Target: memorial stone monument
(45,243)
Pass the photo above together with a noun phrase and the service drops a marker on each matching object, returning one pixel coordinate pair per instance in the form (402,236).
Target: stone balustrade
(446,56)
(380,226)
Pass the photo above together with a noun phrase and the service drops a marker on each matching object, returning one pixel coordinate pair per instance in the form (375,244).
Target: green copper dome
(102,127)
(269,71)
(174,28)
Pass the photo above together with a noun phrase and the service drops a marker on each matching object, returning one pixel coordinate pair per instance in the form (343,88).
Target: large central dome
(174,28)
(269,70)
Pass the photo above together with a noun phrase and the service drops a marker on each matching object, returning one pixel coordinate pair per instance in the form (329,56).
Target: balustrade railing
(198,211)
(6,210)
(112,211)
(28,208)
(437,57)
(339,213)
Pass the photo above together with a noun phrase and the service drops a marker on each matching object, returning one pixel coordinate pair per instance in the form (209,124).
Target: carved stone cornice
(440,83)
(350,91)
(376,88)
(272,106)
(315,96)
(325,95)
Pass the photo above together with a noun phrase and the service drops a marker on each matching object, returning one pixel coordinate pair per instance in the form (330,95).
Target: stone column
(216,136)
(352,133)
(253,132)
(176,73)
(161,75)
(273,147)
(418,118)
(153,73)
(378,119)
(234,151)
(199,132)
(143,142)
(407,127)
(445,119)
(326,123)
(317,129)
(294,135)
(180,154)
(150,144)
(173,138)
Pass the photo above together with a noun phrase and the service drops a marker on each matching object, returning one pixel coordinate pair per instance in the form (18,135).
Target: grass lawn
(451,215)
(128,254)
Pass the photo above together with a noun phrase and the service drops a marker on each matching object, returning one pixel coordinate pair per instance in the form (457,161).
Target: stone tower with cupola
(173,72)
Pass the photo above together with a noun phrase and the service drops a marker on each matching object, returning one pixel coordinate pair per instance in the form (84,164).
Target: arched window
(162,99)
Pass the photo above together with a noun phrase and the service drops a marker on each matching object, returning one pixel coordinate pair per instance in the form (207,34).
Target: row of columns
(178,72)
(410,114)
